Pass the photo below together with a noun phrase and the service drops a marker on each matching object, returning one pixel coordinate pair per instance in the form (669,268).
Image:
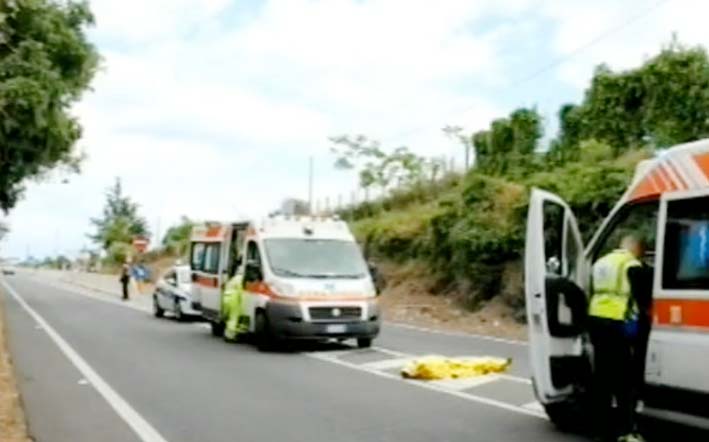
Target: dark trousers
(124,284)
(640,355)
(614,374)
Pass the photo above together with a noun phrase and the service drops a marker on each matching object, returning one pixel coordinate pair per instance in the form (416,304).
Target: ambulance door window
(237,249)
(686,245)
(553,237)
(572,252)
(639,220)
(254,270)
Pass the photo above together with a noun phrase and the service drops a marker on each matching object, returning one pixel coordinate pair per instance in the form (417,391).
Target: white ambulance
(668,202)
(304,278)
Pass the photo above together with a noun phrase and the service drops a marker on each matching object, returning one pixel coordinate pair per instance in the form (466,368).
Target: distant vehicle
(8,271)
(173,294)
(668,203)
(304,278)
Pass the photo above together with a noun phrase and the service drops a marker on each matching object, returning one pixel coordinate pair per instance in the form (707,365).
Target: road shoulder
(48,381)
(13,426)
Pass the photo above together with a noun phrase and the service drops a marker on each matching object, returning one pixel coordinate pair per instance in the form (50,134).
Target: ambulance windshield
(315,258)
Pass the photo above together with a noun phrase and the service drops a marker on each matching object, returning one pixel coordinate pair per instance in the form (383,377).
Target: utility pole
(310,185)
(157,233)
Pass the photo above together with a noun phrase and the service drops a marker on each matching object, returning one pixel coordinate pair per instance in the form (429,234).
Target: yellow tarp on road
(438,367)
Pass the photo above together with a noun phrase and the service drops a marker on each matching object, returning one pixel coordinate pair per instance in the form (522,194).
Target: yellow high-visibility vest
(611,286)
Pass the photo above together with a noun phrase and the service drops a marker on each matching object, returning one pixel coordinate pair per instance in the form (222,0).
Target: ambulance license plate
(335,328)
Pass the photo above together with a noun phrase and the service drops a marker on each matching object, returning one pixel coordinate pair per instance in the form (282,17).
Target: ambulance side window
(686,246)
(197,260)
(639,220)
(211,260)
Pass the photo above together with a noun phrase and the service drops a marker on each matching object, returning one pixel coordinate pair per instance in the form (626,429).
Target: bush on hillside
(118,252)
(473,236)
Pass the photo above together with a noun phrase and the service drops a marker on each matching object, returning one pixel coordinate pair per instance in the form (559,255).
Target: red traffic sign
(140,244)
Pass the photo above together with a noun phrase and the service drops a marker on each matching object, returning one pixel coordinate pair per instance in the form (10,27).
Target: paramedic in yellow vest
(613,323)
(232,307)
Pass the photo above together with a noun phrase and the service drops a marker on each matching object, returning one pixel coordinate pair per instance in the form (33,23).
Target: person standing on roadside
(614,323)
(125,278)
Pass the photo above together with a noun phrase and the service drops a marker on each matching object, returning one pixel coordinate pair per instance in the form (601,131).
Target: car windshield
(184,275)
(315,258)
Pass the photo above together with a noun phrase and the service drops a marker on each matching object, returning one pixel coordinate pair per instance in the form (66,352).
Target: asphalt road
(92,370)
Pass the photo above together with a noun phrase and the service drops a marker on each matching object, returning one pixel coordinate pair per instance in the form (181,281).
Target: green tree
(663,102)
(177,237)
(375,166)
(120,220)
(456,133)
(46,62)
(509,143)
(565,147)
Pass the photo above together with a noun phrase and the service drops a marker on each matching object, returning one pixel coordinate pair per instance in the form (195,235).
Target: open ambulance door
(555,272)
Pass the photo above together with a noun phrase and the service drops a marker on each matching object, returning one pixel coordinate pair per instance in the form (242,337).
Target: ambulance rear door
(555,272)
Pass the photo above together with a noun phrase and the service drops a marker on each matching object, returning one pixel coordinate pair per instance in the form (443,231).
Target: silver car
(173,294)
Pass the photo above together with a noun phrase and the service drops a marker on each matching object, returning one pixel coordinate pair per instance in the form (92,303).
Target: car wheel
(364,342)
(158,312)
(179,316)
(217,328)
(262,330)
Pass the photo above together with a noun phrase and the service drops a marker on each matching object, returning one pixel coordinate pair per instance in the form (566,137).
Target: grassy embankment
(463,238)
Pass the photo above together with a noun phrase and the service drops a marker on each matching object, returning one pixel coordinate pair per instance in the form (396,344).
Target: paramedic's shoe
(635,437)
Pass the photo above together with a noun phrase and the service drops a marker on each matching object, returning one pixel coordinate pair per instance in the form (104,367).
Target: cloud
(625,33)
(211,108)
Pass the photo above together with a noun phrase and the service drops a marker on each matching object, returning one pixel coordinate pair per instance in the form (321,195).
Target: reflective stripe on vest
(611,287)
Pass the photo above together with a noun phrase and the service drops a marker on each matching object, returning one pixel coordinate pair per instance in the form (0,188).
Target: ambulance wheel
(217,328)
(264,340)
(566,416)
(364,342)
(179,316)
(158,312)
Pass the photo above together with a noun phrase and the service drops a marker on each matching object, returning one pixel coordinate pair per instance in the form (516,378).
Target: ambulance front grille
(335,313)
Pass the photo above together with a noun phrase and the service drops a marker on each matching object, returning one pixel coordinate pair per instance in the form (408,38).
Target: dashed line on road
(458,388)
(457,334)
(142,428)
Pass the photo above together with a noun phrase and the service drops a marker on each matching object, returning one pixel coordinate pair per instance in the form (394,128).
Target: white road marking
(82,382)
(137,423)
(510,377)
(458,334)
(392,352)
(465,383)
(88,292)
(324,356)
(536,406)
(386,364)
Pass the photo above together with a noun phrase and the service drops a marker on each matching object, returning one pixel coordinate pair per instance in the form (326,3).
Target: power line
(609,32)
(558,61)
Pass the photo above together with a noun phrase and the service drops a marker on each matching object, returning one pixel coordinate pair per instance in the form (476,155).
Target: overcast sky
(211,108)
